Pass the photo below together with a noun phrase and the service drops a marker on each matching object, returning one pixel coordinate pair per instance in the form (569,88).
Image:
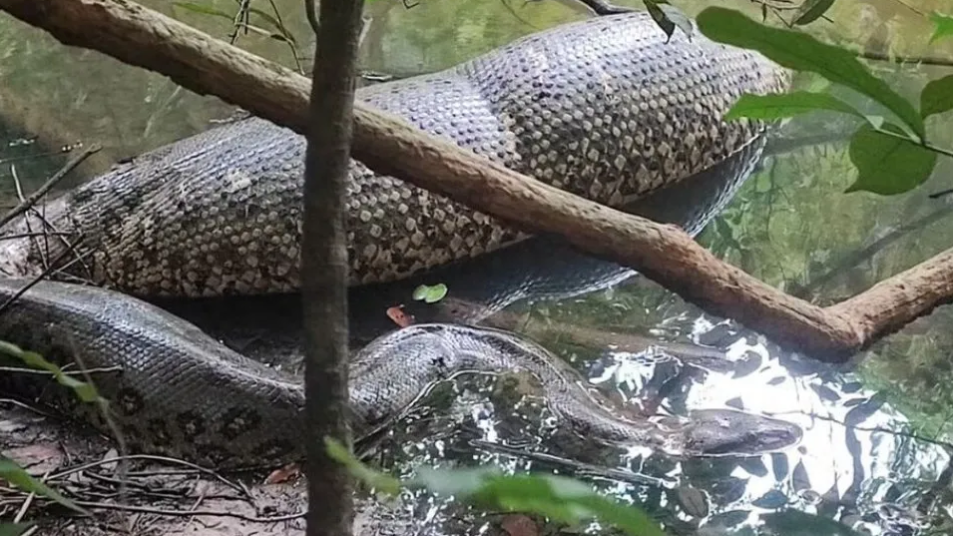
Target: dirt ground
(160,496)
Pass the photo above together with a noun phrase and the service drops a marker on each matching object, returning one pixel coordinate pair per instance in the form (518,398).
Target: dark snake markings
(604,108)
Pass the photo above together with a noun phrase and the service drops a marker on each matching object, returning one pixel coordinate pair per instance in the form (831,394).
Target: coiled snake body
(604,108)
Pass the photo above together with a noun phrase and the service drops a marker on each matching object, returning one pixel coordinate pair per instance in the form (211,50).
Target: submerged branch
(664,253)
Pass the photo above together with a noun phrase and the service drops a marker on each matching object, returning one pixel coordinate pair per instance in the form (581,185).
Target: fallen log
(664,253)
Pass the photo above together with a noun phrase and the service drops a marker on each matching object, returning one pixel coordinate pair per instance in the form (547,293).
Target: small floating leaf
(430,294)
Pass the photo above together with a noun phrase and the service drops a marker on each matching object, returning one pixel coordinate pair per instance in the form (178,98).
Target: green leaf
(797,50)
(556,497)
(436,293)
(678,18)
(779,106)
(14,529)
(375,479)
(888,164)
(943,26)
(276,23)
(17,476)
(430,294)
(420,292)
(199,8)
(812,10)
(84,391)
(937,97)
(660,18)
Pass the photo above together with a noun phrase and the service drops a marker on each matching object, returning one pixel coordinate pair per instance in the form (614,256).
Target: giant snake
(608,108)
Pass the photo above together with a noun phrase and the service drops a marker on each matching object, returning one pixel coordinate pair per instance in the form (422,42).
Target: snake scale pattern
(605,108)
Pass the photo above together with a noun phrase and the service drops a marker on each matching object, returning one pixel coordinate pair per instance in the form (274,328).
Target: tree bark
(388,145)
(325,265)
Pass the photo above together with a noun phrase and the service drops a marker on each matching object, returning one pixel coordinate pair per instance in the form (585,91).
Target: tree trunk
(388,145)
(325,265)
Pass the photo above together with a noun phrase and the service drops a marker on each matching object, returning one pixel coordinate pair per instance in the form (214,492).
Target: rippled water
(869,451)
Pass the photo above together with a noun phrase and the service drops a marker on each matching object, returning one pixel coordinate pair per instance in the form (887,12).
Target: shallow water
(869,451)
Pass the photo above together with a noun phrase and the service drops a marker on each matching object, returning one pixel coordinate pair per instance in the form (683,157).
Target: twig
(922,143)
(312,14)
(241,19)
(10,159)
(44,251)
(285,33)
(187,513)
(33,235)
(28,407)
(150,457)
(35,196)
(880,429)
(586,468)
(853,259)
(603,7)
(21,370)
(123,464)
(28,501)
(923,60)
(24,507)
(19,189)
(36,280)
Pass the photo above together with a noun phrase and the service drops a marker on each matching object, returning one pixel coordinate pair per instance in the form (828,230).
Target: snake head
(728,432)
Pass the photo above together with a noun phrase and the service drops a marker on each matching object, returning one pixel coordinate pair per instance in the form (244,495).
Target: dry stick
(664,253)
(853,259)
(922,60)
(20,370)
(33,235)
(150,457)
(37,279)
(189,513)
(46,225)
(34,155)
(35,196)
(19,404)
(30,210)
(311,13)
(622,475)
(880,429)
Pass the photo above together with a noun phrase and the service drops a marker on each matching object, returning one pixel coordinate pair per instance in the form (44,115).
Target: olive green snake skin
(604,108)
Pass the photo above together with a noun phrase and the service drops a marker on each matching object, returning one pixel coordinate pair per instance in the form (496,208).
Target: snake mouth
(728,432)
